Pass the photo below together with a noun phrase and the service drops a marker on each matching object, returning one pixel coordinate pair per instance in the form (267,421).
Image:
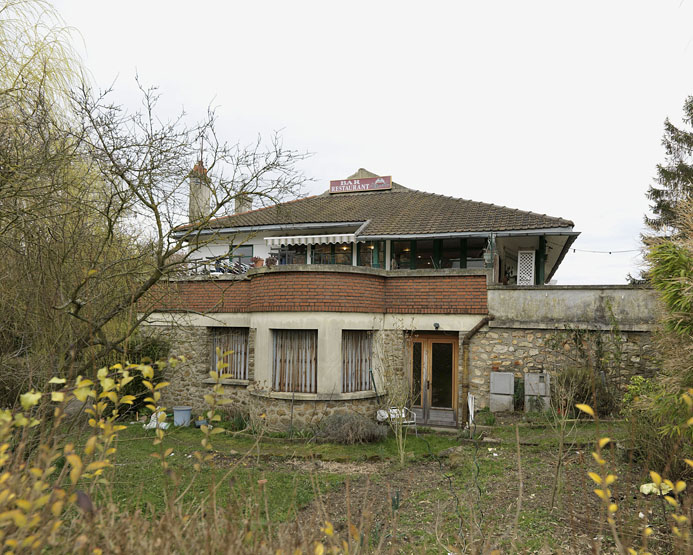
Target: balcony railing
(217,266)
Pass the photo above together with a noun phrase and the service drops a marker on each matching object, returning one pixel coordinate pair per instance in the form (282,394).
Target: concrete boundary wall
(520,337)
(596,307)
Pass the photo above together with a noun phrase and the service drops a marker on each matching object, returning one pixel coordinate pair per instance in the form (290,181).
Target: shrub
(657,417)
(142,350)
(485,417)
(350,428)
(577,384)
(519,395)
(235,420)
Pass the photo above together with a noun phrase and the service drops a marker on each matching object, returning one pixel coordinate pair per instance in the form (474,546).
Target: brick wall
(316,291)
(325,291)
(199,296)
(436,295)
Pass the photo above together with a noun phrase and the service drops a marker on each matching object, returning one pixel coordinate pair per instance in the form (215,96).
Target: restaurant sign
(361,185)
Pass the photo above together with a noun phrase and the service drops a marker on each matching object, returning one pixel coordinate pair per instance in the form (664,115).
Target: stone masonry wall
(282,414)
(187,379)
(531,350)
(187,384)
(491,349)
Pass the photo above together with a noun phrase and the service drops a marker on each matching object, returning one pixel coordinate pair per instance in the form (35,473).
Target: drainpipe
(466,338)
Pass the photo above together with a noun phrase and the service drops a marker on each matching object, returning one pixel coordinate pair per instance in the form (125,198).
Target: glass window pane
(230,352)
(241,253)
(295,360)
(424,254)
(416,375)
(450,253)
(356,361)
(242,250)
(293,254)
(475,252)
(401,255)
(441,375)
(322,254)
(342,254)
(367,251)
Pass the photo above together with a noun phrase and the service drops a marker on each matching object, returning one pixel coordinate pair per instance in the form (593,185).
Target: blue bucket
(182,416)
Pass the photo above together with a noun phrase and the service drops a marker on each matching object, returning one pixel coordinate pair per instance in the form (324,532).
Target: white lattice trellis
(525,267)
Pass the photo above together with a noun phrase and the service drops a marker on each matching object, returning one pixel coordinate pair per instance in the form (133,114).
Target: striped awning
(311,239)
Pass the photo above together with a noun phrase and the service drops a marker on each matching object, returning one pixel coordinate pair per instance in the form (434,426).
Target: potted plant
(257,261)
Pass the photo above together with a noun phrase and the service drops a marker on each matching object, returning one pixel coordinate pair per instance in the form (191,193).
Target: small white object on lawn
(154,422)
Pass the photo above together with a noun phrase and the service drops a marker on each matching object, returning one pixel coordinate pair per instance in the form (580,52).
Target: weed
(350,428)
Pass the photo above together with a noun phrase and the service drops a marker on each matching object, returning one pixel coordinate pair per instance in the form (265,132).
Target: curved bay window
(230,352)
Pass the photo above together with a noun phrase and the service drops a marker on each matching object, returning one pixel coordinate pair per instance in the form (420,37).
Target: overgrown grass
(228,478)
(239,462)
(213,489)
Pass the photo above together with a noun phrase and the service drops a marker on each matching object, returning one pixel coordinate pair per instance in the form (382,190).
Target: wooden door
(433,378)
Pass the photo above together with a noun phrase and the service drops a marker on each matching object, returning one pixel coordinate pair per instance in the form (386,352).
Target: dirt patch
(468,501)
(426,506)
(332,467)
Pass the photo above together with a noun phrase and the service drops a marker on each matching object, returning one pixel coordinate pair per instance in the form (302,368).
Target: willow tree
(89,195)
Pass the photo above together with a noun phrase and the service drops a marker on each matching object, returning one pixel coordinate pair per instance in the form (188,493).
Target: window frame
(237,361)
(356,375)
(238,258)
(295,360)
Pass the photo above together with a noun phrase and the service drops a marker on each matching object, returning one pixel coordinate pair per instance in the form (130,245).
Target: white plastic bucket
(182,416)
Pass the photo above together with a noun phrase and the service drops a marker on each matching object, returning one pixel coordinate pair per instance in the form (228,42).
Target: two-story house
(322,298)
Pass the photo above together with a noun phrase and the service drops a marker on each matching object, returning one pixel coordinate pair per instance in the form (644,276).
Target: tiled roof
(398,211)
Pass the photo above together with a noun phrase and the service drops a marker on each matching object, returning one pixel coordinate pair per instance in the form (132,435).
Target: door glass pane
(441,375)
(416,374)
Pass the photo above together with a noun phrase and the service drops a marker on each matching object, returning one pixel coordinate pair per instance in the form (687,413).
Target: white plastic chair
(403,415)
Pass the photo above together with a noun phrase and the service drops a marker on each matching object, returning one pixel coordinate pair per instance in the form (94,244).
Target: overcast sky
(554,107)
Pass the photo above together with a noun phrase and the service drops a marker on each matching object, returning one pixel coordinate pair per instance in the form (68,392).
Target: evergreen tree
(674,181)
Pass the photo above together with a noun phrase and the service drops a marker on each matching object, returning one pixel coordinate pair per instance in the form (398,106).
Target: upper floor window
(230,352)
(332,253)
(452,253)
(401,255)
(438,253)
(371,254)
(424,255)
(241,254)
(292,254)
(475,252)
(295,360)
